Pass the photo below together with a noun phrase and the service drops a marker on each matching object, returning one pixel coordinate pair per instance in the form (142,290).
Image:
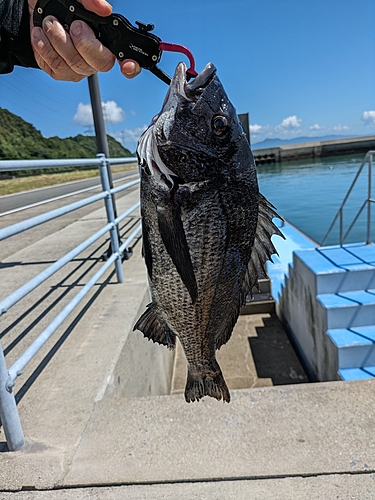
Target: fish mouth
(180,86)
(181,89)
(195,89)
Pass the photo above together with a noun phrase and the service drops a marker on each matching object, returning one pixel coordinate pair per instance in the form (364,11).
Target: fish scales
(206,229)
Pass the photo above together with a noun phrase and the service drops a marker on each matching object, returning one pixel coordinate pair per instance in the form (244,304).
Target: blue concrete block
(360,296)
(357,373)
(340,256)
(344,337)
(353,349)
(317,262)
(335,301)
(364,252)
(367,332)
(348,309)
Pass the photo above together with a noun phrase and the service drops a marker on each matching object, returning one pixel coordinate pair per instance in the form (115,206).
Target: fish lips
(190,91)
(181,90)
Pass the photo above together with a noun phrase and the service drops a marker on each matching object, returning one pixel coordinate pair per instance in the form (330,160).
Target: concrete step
(348,309)
(264,286)
(364,373)
(261,300)
(355,347)
(265,434)
(258,354)
(337,269)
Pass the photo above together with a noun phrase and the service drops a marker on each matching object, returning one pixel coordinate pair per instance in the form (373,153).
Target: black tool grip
(123,39)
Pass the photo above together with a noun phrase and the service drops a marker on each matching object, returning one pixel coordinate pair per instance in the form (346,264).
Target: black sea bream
(206,229)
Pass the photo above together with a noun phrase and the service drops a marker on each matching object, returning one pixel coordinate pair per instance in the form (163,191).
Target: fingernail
(76,28)
(130,68)
(47,24)
(35,33)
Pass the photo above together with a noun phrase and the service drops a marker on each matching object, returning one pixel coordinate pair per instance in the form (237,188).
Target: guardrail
(366,203)
(9,417)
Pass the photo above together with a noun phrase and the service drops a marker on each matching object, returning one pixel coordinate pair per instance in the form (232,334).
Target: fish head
(197,134)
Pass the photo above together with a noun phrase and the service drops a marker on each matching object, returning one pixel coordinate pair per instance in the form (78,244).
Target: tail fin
(206,379)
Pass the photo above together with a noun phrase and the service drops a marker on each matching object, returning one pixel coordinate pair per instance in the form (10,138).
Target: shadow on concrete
(4,265)
(83,268)
(31,309)
(3,446)
(42,365)
(274,356)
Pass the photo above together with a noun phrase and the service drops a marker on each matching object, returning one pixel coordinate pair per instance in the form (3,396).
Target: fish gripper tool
(116,33)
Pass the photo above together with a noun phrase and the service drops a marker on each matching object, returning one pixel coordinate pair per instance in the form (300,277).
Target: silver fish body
(206,229)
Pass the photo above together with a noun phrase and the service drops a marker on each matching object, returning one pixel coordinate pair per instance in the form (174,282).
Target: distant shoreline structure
(316,149)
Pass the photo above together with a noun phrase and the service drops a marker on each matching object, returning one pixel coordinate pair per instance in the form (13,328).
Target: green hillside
(20,140)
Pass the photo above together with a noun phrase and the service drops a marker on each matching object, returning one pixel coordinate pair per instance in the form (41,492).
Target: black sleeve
(15,44)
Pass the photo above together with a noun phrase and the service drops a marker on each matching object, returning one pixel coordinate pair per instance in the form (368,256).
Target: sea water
(308,194)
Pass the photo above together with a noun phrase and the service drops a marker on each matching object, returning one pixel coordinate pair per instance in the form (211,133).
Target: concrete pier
(100,424)
(316,149)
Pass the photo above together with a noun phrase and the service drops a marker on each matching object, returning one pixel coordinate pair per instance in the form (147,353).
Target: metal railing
(9,417)
(366,204)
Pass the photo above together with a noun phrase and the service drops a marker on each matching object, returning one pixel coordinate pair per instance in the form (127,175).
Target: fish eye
(219,125)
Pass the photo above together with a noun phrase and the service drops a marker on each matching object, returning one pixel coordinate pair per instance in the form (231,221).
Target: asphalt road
(14,201)
(12,245)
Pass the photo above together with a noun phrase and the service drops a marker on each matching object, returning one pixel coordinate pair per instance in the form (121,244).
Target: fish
(206,228)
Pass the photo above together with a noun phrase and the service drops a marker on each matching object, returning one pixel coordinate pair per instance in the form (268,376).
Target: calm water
(308,194)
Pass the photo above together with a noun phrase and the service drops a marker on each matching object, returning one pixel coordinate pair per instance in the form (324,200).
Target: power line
(17,90)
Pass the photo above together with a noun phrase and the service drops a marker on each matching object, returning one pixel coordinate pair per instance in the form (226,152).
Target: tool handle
(123,39)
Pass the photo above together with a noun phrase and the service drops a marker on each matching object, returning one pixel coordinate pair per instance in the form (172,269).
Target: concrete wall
(143,368)
(305,320)
(294,288)
(315,149)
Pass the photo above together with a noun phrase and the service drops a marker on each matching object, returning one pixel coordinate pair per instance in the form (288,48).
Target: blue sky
(299,68)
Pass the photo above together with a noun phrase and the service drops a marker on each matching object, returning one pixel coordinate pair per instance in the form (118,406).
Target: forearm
(15,44)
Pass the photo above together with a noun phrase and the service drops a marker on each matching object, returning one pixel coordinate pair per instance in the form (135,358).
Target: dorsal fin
(263,247)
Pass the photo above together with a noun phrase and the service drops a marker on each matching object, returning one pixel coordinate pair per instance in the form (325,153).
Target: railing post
(369,192)
(341,222)
(111,217)
(8,409)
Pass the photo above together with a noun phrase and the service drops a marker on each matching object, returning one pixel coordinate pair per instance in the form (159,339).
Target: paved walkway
(99,423)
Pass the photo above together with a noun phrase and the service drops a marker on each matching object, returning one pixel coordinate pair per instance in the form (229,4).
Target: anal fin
(155,329)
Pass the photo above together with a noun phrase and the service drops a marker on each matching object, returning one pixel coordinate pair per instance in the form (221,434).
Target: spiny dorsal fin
(263,247)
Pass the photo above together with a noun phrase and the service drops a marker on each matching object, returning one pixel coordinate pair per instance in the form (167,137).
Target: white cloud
(316,126)
(340,128)
(290,123)
(111,111)
(368,117)
(256,129)
(129,137)
(83,115)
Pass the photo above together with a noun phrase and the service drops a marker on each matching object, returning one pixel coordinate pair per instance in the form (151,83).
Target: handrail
(9,417)
(12,165)
(57,198)
(367,202)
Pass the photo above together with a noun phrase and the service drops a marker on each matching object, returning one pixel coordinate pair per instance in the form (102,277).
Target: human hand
(75,55)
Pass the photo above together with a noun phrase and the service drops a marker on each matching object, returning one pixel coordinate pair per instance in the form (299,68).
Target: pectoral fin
(174,238)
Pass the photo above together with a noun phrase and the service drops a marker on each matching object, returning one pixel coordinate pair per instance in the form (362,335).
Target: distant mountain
(272,143)
(20,140)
